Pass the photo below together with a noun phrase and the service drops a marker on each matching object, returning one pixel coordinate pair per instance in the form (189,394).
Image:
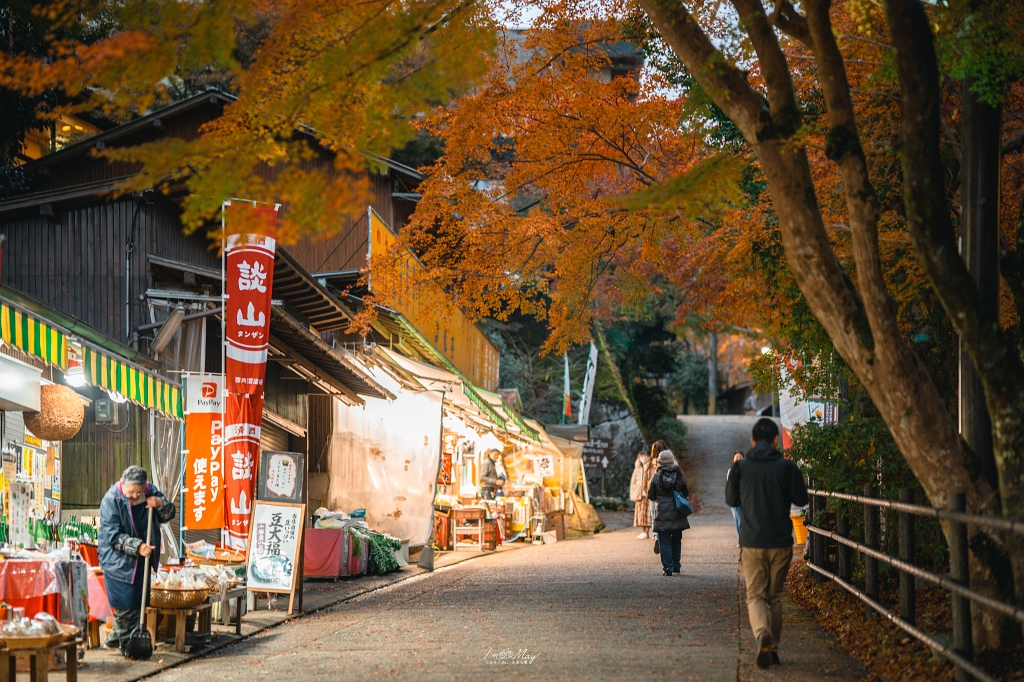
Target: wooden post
(818,551)
(963,642)
(908,598)
(842,551)
(871,533)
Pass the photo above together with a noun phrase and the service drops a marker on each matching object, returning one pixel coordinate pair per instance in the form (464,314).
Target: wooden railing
(956,582)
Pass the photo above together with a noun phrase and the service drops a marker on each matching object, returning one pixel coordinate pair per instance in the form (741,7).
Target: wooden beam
(289,356)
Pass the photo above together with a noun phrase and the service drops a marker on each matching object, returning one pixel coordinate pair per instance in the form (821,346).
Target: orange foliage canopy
(330,85)
(557,179)
(564,193)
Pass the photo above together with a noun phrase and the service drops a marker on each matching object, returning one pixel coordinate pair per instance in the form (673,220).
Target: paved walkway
(595,608)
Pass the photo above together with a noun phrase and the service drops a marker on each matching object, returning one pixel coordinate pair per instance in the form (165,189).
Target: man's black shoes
(764,650)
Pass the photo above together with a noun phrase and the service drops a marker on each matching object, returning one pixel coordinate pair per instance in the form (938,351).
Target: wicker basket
(177,599)
(221,557)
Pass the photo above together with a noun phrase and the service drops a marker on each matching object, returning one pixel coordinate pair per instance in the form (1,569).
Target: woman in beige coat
(643,471)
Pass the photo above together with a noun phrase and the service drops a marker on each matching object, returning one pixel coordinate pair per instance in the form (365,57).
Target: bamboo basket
(177,599)
(221,557)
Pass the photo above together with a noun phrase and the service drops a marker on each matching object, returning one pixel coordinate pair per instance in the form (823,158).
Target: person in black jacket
(489,481)
(763,485)
(670,523)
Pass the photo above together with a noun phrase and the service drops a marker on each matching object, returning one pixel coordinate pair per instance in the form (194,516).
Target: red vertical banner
(249,273)
(204,456)
(242,418)
(248,285)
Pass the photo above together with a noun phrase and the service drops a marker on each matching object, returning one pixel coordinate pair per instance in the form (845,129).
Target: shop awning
(137,385)
(498,402)
(46,334)
(33,336)
(459,391)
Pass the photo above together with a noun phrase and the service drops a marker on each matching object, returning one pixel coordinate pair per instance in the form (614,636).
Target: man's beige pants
(765,572)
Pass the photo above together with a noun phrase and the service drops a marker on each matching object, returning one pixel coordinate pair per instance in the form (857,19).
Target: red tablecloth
(322,556)
(31,584)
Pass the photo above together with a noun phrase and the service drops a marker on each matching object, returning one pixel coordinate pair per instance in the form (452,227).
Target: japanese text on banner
(249,273)
(204,459)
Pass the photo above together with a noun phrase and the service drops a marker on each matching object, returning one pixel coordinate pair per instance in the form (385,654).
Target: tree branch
(789,21)
(842,145)
(720,79)
(774,67)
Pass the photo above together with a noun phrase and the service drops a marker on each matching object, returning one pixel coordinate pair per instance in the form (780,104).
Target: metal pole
(908,600)
(871,540)
(712,371)
(843,552)
(963,642)
(818,551)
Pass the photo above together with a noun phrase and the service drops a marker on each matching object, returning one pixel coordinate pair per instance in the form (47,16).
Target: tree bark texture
(862,325)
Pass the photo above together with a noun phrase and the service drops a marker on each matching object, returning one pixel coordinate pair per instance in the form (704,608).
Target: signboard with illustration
(282,477)
(275,540)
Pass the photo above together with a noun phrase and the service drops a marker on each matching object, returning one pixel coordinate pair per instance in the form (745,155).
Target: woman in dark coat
(669,523)
(123,549)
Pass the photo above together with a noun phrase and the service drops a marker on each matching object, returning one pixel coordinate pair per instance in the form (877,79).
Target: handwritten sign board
(544,465)
(594,451)
(282,477)
(275,540)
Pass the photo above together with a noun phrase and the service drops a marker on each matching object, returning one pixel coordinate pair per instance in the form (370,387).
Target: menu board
(282,477)
(275,539)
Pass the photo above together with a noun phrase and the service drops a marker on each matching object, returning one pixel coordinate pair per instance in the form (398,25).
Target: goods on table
(203,553)
(29,633)
(180,589)
(382,550)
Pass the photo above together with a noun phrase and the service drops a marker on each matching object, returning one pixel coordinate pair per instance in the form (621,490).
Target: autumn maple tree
(323,88)
(561,191)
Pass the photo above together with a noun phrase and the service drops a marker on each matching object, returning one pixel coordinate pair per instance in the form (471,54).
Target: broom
(140,645)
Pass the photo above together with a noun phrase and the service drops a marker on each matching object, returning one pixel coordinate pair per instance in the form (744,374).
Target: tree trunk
(864,331)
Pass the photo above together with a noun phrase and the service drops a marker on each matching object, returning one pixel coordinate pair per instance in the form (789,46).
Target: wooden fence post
(843,554)
(871,533)
(959,572)
(908,598)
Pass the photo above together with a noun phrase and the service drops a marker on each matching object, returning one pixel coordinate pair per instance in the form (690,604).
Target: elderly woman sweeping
(122,546)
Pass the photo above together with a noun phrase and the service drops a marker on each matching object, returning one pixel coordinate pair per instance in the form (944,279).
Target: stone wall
(613,422)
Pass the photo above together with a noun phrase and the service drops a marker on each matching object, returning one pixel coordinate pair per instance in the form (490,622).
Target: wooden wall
(346,249)
(75,261)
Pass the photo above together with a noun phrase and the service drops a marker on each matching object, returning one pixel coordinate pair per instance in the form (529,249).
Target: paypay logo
(209,390)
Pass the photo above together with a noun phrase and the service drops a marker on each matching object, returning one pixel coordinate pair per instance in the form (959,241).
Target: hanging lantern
(60,414)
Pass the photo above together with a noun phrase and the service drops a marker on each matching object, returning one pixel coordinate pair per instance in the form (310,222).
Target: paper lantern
(60,414)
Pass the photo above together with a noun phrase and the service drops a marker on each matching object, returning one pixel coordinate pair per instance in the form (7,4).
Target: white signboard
(275,539)
(20,507)
(544,465)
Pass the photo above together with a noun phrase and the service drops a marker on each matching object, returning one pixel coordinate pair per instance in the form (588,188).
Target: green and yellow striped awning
(142,388)
(33,336)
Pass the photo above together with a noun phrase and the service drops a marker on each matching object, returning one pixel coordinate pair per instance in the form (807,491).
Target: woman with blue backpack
(669,489)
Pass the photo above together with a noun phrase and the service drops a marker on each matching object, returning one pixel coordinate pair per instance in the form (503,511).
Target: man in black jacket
(764,484)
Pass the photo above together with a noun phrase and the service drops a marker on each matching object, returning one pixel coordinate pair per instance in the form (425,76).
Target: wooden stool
(39,662)
(468,521)
(94,634)
(179,615)
(225,597)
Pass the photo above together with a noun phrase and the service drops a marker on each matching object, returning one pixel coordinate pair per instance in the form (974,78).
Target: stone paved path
(595,608)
